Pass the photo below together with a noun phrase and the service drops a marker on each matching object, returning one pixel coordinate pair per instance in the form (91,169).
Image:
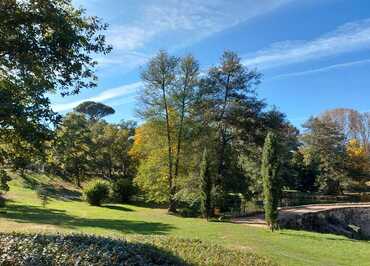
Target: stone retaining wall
(353,222)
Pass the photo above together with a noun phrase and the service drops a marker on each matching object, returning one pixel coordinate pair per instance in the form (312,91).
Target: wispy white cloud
(347,38)
(139,28)
(149,25)
(104,96)
(322,69)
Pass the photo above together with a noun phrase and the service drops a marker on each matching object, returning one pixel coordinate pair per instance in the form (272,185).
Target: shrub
(96,192)
(189,209)
(122,190)
(42,250)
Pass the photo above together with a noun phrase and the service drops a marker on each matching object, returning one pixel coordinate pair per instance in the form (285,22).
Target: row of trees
(85,148)
(203,134)
(335,154)
(186,112)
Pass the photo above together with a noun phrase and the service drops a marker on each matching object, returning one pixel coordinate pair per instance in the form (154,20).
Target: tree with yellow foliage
(358,161)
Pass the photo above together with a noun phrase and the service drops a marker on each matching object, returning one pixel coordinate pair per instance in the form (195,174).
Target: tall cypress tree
(206,186)
(271,186)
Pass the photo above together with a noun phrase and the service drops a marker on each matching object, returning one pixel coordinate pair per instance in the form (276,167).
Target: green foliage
(96,191)
(271,183)
(220,111)
(150,149)
(302,173)
(206,186)
(122,190)
(84,150)
(4,179)
(46,46)
(86,250)
(72,147)
(227,103)
(94,111)
(167,96)
(22,249)
(324,147)
(109,146)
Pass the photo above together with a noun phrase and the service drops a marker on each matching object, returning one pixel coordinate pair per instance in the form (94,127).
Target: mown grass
(64,213)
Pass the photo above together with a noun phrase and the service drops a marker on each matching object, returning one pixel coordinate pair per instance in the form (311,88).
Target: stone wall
(353,222)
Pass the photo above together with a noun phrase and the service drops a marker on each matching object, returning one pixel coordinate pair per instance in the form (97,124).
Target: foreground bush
(96,192)
(122,190)
(20,249)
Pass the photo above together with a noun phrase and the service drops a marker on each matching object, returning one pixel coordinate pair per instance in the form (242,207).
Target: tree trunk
(172,204)
(179,136)
(222,137)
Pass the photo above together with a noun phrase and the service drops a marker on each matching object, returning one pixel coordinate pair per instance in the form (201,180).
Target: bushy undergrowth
(96,191)
(21,249)
(122,190)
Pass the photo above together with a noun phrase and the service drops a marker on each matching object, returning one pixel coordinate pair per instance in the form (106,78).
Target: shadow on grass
(118,208)
(33,214)
(52,191)
(320,237)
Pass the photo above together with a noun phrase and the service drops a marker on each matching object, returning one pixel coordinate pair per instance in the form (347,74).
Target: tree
(251,148)
(150,150)
(109,147)
(94,111)
(72,146)
(358,163)
(160,78)
(352,124)
(271,183)
(227,104)
(324,146)
(46,46)
(303,173)
(184,97)
(206,185)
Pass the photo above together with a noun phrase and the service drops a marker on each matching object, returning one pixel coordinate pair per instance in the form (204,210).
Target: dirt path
(258,220)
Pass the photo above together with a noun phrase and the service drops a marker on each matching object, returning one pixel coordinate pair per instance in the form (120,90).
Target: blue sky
(314,54)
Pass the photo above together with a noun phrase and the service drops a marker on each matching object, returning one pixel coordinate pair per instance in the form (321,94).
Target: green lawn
(24,213)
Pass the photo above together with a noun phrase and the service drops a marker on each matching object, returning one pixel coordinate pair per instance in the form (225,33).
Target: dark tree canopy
(228,104)
(93,110)
(45,46)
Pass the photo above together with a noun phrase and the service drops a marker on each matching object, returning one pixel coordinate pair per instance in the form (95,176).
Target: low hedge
(28,249)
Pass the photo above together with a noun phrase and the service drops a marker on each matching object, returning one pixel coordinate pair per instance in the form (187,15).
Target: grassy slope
(25,214)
